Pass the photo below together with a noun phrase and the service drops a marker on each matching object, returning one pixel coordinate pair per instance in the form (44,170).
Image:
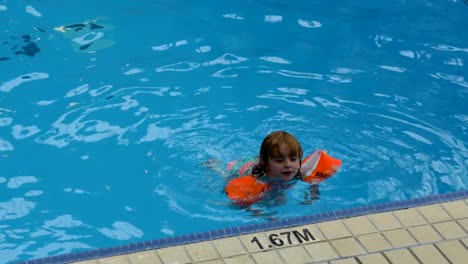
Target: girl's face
(284,167)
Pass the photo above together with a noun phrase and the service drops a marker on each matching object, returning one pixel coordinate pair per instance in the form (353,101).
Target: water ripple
(15,208)
(18,181)
(6,145)
(121,231)
(8,86)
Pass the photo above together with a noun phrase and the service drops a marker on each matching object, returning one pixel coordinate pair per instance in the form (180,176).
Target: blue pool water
(108,110)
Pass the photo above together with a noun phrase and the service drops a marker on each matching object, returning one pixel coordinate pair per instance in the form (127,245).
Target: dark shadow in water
(21,45)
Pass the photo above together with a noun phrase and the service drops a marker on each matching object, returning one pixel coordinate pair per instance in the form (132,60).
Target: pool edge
(248,229)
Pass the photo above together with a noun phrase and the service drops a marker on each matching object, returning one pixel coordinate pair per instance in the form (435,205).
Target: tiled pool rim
(247,229)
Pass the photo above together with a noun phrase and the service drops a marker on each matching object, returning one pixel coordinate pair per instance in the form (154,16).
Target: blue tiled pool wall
(247,229)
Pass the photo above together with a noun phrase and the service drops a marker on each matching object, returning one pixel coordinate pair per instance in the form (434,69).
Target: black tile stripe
(247,229)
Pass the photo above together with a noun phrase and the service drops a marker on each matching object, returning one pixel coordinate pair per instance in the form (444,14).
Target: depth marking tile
(285,235)
(424,234)
(315,232)
(450,230)
(334,229)
(385,221)
(173,255)
(374,242)
(360,225)
(375,258)
(201,251)
(267,257)
(293,255)
(399,238)
(410,217)
(401,256)
(145,257)
(457,209)
(253,246)
(244,259)
(230,246)
(428,254)
(347,247)
(434,213)
(454,251)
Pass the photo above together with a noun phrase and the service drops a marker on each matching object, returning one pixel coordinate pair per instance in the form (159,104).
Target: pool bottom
(264,241)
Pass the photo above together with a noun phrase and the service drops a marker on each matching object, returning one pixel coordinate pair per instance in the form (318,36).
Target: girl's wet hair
(270,148)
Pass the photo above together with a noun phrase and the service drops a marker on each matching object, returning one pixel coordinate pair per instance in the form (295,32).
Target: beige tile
(410,217)
(267,257)
(347,247)
(334,229)
(293,255)
(344,261)
(202,251)
(464,223)
(465,241)
(115,260)
(428,254)
(424,234)
(454,251)
(321,251)
(374,242)
(376,258)
(244,259)
(399,238)
(230,246)
(145,257)
(457,209)
(359,225)
(385,221)
(434,213)
(450,230)
(86,262)
(216,261)
(173,255)
(401,256)
(251,245)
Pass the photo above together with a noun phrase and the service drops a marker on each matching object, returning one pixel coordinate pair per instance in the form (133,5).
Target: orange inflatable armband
(319,166)
(245,190)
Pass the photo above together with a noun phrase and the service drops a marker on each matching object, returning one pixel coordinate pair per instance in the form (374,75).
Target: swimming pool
(107,111)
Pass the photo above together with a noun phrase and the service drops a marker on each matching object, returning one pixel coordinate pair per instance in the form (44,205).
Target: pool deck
(424,230)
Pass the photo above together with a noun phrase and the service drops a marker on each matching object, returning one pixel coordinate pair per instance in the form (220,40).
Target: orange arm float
(245,190)
(319,166)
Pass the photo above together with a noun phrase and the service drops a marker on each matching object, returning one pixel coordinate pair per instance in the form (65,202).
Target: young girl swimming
(278,166)
(279,160)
